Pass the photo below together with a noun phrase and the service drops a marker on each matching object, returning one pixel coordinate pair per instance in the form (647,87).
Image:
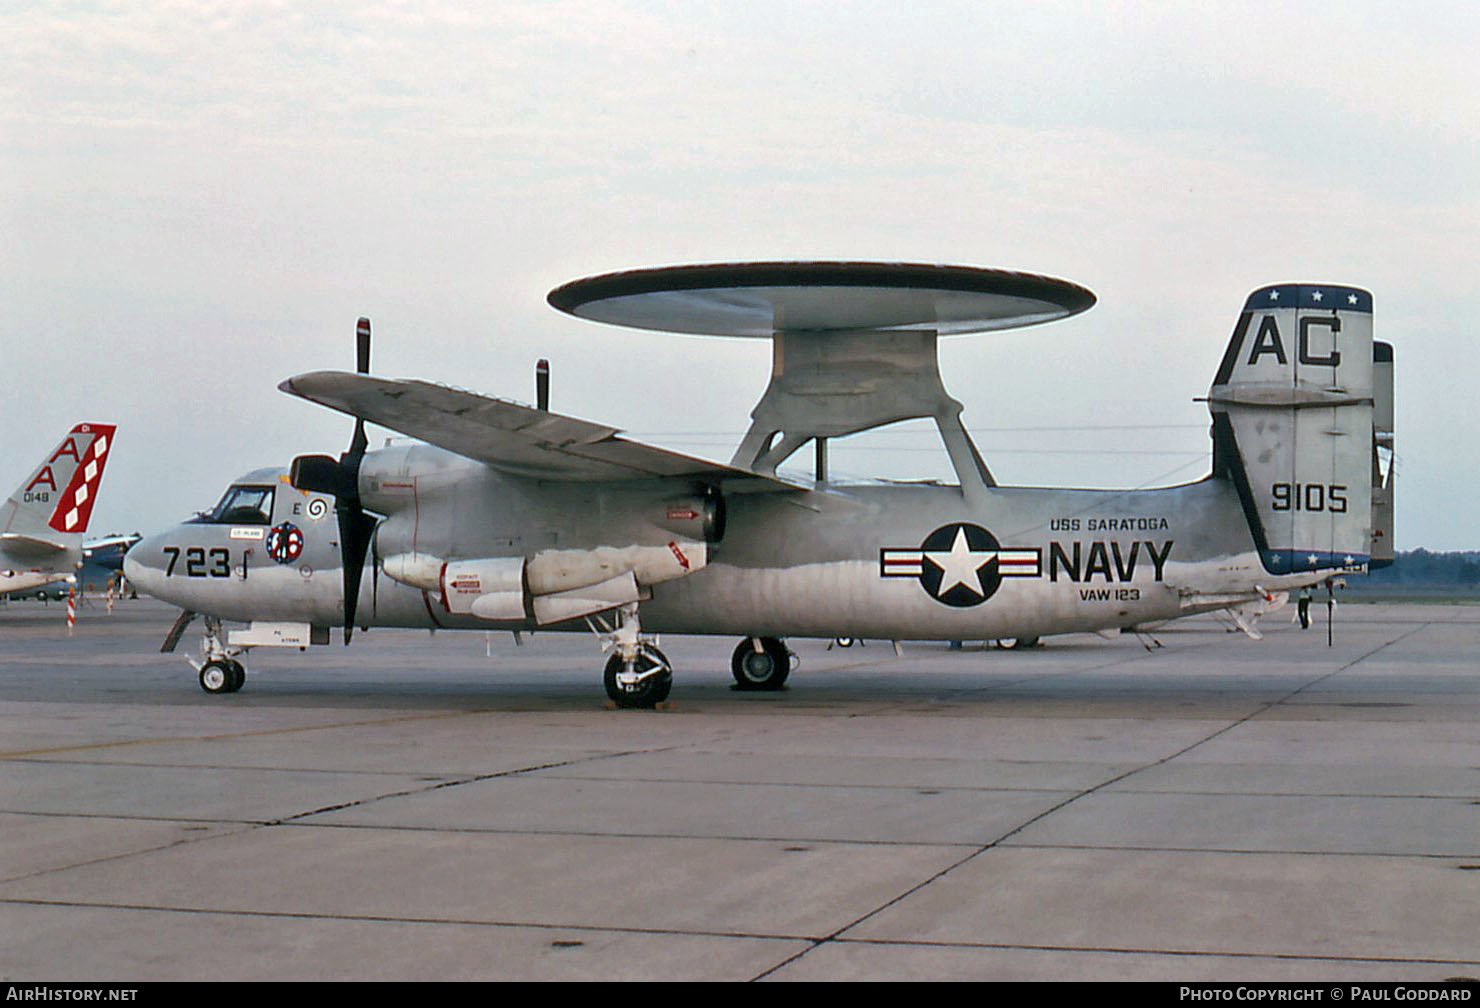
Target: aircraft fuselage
(897,562)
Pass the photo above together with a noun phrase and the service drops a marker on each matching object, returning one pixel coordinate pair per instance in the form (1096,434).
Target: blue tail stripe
(1293,561)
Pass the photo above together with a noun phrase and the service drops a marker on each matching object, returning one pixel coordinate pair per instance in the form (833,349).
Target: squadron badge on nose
(285,543)
(960,564)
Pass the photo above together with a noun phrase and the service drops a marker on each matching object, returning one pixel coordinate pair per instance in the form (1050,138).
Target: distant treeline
(1422,569)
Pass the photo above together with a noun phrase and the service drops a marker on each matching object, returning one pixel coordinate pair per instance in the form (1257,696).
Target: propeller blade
(355,530)
(359,442)
(341,478)
(362,346)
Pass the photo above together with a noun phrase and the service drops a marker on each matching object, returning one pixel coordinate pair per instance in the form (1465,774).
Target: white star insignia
(1274,295)
(959,566)
(1312,558)
(1351,299)
(1317,296)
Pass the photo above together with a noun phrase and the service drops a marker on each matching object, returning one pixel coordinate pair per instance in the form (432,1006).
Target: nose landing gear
(222,675)
(219,671)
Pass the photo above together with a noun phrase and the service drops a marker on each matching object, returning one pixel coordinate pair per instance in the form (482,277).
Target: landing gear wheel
(650,683)
(1017,643)
(765,669)
(222,675)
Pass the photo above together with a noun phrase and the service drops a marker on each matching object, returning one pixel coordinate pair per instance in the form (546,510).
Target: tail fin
(1292,407)
(1383,470)
(59,495)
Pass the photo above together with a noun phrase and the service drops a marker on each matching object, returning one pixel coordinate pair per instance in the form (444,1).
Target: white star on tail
(959,566)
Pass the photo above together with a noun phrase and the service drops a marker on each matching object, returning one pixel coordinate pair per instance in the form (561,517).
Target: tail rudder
(1292,407)
(1384,472)
(60,493)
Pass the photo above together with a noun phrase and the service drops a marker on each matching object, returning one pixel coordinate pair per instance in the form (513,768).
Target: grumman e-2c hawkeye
(511,517)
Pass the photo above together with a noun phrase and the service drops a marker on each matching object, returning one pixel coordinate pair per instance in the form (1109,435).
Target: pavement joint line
(627,835)
(1039,817)
(831,841)
(749,935)
(535,772)
(227,736)
(1134,950)
(249,824)
(294,820)
(178,842)
(391,919)
(470,779)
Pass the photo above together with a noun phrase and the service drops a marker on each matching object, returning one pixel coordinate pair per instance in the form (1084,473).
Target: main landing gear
(645,681)
(760,663)
(637,674)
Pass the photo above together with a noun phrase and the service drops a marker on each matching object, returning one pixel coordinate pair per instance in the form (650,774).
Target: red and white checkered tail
(60,493)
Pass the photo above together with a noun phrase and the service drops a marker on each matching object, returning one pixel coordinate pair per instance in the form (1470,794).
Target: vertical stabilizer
(1383,469)
(1292,407)
(59,494)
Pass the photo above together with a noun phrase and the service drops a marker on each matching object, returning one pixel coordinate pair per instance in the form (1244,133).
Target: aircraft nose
(144,564)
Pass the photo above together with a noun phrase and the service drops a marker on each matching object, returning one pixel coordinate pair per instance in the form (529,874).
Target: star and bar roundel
(960,564)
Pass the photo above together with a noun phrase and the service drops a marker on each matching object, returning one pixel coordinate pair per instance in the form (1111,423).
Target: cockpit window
(243,505)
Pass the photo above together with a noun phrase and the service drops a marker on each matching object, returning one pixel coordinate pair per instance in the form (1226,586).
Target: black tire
(648,693)
(765,669)
(217,677)
(238,675)
(1017,643)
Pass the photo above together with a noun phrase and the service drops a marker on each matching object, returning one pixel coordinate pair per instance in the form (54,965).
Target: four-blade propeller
(341,477)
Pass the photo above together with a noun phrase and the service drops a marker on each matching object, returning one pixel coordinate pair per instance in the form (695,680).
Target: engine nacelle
(556,584)
(700,517)
(552,571)
(491,589)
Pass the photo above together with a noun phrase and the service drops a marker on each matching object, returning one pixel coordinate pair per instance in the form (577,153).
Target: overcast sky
(199,199)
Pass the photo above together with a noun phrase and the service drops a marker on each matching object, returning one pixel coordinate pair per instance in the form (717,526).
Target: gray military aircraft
(512,517)
(42,523)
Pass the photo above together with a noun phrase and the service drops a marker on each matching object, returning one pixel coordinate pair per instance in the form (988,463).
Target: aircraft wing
(512,437)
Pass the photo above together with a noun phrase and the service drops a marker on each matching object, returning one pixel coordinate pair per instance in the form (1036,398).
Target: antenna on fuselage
(542,384)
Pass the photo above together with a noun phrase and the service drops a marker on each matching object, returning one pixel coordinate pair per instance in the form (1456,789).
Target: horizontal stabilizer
(511,437)
(28,547)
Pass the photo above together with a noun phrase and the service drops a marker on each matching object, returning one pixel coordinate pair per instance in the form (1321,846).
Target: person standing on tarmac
(1303,604)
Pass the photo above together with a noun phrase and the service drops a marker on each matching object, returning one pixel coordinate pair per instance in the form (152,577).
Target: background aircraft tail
(1293,426)
(59,494)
